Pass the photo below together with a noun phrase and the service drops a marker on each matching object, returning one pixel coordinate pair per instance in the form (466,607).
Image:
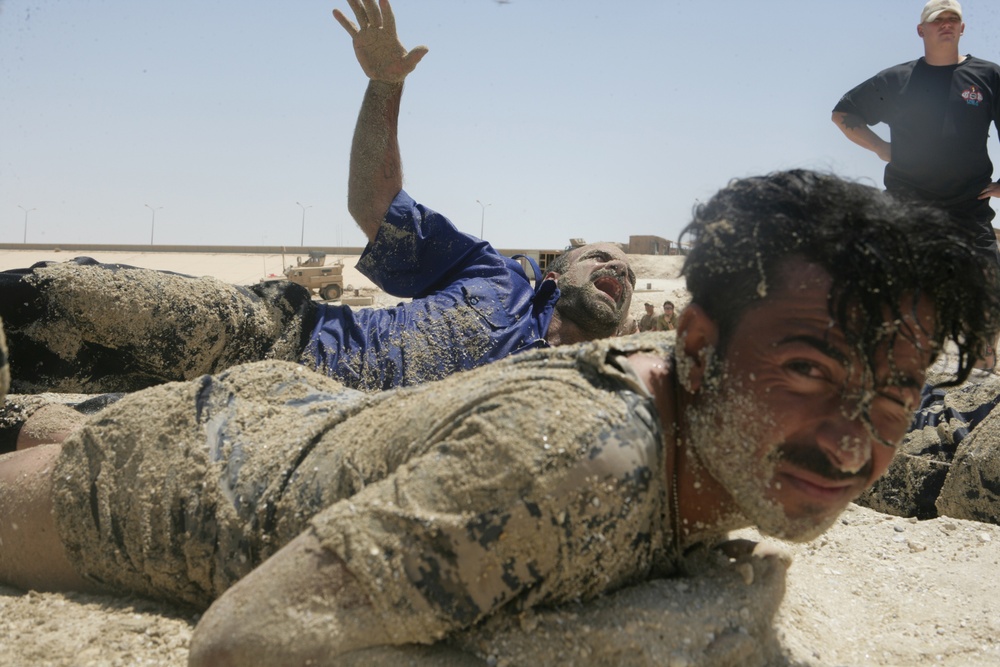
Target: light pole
(152,224)
(302,238)
(482,219)
(26,212)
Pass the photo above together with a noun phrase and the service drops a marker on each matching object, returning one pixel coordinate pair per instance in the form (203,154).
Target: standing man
(939,109)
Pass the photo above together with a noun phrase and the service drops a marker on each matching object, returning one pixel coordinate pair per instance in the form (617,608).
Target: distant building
(637,245)
(650,245)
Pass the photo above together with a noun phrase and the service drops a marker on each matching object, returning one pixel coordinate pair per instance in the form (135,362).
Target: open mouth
(610,286)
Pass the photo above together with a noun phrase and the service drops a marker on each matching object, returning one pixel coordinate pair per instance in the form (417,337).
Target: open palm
(381,55)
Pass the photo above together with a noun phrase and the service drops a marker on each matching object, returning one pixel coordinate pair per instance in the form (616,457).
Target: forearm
(855,129)
(376,175)
(300,607)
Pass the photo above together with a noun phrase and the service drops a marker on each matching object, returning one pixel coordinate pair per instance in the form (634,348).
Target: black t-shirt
(939,119)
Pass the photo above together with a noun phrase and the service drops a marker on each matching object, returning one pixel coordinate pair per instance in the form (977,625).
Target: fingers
(388,18)
(739,548)
(373,16)
(349,26)
(364,14)
(742,549)
(381,55)
(774,551)
(415,55)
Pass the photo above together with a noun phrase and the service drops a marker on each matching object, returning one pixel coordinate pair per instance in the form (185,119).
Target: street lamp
(26,212)
(482,219)
(302,238)
(152,225)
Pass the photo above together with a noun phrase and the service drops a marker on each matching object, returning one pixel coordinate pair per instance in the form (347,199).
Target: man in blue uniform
(85,327)
(939,109)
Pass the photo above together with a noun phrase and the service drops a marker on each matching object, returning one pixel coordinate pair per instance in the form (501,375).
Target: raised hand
(381,55)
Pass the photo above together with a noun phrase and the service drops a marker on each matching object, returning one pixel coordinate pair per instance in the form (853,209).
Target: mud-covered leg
(86,327)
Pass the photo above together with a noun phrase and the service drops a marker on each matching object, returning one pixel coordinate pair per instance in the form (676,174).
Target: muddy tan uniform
(538,479)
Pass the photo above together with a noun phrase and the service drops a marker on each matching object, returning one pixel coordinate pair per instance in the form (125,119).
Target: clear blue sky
(565,118)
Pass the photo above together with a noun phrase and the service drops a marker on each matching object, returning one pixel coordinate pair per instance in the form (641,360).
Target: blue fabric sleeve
(417,250)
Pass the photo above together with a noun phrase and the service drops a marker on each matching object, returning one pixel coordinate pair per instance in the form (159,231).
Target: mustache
(812,459)
(608,273)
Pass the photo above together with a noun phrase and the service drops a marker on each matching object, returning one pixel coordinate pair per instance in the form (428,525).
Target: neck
(563,331)
(706,509)
(943,56)
(700,509)
(560,333)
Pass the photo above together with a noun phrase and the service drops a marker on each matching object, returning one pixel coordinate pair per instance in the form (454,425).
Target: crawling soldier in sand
(84,327)
(313,520)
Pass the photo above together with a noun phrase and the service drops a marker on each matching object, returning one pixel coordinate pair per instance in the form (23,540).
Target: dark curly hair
(880,252)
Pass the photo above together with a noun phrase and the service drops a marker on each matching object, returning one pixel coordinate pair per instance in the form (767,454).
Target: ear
(697,336)
(551,275)
(920,30)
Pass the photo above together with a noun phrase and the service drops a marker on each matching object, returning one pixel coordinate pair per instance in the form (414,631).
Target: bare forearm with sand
(301,607)
(376,174)
(855,129)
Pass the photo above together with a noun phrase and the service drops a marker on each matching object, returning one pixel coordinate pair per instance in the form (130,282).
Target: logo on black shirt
(972,96)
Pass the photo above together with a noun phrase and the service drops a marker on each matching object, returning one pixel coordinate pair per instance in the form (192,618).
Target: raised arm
(855,129)
(376,174)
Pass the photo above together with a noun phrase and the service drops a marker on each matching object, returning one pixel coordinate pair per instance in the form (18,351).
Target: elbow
(225,637)
(211,654)
(356,209)
(213,647)
(363,213)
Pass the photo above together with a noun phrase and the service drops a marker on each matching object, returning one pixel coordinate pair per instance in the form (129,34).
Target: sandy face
(731,437)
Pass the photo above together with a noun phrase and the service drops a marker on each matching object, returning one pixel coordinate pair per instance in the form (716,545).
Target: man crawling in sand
(84,327)
(310,520)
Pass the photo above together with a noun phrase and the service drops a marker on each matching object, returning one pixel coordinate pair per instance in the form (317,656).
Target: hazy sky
(564,118)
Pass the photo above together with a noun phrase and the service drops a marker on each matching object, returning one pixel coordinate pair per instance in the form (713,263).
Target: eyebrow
(605,256)
(821,344)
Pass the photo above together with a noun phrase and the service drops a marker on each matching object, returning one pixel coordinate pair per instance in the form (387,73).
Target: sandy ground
(874,590)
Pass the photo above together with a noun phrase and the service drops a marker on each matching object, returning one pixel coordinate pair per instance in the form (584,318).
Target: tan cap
(935,8)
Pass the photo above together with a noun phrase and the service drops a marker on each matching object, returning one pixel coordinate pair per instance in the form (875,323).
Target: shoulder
(972,62)
(901,70)
(890,78)
(975,60)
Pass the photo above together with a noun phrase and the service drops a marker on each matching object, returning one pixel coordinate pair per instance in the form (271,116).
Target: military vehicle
(314,274)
